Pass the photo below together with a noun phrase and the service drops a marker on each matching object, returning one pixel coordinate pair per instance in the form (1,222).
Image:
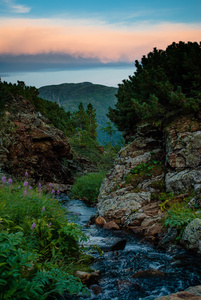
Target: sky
(50,42)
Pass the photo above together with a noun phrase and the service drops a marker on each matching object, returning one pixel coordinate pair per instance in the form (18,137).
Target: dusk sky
(51,42)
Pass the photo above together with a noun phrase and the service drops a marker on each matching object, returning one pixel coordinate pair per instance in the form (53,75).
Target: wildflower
(43,209)
(4,179)
(30,187)
(33,225)
(25,192)
(58,192)
(49,224)
(39,185)
(50,184)
(53,191)
(26,174)
(26,183)
(10,180)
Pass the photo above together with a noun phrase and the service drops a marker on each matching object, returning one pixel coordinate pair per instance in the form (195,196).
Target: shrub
(37,244)
(87,187)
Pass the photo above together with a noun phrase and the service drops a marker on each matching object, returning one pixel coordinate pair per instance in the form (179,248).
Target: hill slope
(69,95)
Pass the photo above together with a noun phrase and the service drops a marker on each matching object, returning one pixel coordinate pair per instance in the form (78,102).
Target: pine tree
(164,83)
(91,124)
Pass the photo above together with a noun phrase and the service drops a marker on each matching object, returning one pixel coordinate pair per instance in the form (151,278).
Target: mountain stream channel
(139,271)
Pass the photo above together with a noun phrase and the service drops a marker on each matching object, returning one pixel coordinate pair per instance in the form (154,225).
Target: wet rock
(191,237)
(88,278)
(120,245)
(125,284)
(84,276)
(111,225)
(148,273)
(96,289)
(100,221)
(170,236)
(181,295)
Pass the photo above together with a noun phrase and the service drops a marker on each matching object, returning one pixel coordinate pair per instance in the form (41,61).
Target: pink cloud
(82,38)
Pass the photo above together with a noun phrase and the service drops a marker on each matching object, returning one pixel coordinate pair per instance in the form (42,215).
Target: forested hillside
(69,96)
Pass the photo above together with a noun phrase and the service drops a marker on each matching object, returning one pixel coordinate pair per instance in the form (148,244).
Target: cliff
(157,163)
(28,142)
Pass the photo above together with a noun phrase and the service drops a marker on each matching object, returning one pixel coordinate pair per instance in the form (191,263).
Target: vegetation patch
(39,248)
(151,169)
(178,214)
(87,187)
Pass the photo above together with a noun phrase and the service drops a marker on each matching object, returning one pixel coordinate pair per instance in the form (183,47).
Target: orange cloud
(83,38)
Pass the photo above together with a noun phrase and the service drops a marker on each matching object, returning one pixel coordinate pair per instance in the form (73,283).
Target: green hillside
(69,95)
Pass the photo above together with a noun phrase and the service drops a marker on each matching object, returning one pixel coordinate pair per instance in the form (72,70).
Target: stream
(175,270)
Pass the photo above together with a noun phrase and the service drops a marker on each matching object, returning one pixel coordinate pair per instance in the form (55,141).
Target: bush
(87,187)
(38,245)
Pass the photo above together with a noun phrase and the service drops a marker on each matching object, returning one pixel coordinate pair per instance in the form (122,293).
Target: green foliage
(85,127)
(179,216)
(87,187)
(144,171)
(37,245)
(21,277)
(165,83)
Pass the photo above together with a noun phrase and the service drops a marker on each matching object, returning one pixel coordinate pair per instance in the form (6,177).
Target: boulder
(191,237)
(120,245)
(100,221)
(111,225)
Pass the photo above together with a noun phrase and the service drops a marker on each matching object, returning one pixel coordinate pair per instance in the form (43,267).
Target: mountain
(69,95)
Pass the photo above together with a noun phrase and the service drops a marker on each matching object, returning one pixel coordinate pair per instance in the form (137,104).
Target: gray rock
(176,182)
(191,237)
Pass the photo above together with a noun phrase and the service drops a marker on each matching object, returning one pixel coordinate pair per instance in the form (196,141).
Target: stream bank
(138,272)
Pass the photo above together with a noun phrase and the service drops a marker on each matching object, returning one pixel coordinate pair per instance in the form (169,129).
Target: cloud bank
(85,42)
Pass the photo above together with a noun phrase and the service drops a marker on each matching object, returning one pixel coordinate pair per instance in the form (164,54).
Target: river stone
(148,273)
(191,237)
(111,225)
(96,289)
(100,221)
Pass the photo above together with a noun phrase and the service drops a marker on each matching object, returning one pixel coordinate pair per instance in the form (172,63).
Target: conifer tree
(91,122)
(165,83)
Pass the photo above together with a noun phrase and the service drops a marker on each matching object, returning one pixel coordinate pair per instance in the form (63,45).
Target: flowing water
(175,270)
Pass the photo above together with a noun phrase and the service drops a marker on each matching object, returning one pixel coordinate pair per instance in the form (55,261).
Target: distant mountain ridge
(69,95)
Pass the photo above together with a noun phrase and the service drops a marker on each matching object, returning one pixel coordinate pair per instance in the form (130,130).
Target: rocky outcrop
(183,154)
(127,201)
(158,160)
(28,142)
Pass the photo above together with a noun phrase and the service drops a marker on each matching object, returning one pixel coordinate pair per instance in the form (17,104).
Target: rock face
(29,143)
(158,160)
